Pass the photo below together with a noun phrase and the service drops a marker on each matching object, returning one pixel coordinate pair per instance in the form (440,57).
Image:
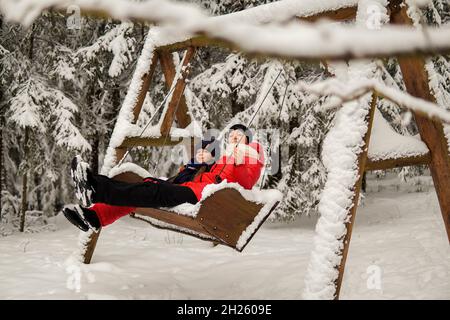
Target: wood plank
(201,38)
(90,247)
(362,159)
(146,81)
(416,81)
(178,220)
(200,236)
(397,163)
(342,14)
(168,68)
(226,215)
(150,142)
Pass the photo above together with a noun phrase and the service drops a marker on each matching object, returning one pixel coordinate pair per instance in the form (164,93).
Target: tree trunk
(95,152)
(24,208)
(30,49)
(2,176)
(235,106)
(1,163)
(58,202)
(37,182)
(24,205)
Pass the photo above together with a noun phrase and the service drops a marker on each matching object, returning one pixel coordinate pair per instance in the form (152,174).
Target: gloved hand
(241,151)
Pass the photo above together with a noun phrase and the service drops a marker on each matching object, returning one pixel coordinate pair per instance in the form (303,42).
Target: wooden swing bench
(225,217)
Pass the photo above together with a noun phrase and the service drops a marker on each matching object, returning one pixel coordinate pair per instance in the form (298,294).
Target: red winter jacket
(246,174)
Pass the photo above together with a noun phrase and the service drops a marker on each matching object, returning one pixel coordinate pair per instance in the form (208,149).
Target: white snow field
(399,250)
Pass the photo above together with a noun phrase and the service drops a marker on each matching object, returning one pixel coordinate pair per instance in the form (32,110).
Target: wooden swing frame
(236,213)
(431,132)
(416,80)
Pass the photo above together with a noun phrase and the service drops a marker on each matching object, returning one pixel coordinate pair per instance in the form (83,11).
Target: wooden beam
(205,37)
(177,104)
(169,71)
(149,142)
(103,12)
(90,247)
(351,52)
(196,41)
(362,159)
(146,81)
(167,67)
(342,14)
(397,163)
(416,81)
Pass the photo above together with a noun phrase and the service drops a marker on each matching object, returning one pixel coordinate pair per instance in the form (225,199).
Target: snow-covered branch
(342,92)
(171,12)
(47,109)
(152,11)
(189,25)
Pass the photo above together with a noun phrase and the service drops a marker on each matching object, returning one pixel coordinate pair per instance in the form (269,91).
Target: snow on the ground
(398,232)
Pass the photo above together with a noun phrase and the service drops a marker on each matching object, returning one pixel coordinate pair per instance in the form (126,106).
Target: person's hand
(239,154)
(241,151)
(203,156)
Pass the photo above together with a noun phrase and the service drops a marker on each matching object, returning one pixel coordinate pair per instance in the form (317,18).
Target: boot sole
(81,216)
(75,219)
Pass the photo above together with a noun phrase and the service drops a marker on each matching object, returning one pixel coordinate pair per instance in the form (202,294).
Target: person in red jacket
(241,163)
(105,200)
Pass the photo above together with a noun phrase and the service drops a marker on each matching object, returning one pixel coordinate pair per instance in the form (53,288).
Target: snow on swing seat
(386,144)
(227,213)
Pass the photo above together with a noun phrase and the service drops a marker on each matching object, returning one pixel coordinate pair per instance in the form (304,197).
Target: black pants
(149,194)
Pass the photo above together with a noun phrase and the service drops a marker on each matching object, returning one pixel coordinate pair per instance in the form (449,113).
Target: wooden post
(146,81)
(416,81)
(362,159)
(120,152)
(90,247)
(178,98)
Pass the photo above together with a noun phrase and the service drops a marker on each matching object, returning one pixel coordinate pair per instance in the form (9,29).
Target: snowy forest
(64,79)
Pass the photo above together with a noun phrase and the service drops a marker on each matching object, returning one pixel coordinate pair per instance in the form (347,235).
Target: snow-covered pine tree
(39,124)
(102,61)
(302,130)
